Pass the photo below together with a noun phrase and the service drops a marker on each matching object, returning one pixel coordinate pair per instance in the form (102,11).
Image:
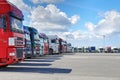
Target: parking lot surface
(68,66)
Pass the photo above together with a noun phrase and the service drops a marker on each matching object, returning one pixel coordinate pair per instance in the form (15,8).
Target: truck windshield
(27,36)
(64,43)
(36,36)
(55,41)
(16,25)
(41,40)
(45,40)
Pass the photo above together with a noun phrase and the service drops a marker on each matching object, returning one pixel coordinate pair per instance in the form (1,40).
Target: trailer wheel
(51,52)
(4,66)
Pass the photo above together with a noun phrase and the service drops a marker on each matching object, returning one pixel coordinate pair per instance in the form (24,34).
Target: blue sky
(84,22)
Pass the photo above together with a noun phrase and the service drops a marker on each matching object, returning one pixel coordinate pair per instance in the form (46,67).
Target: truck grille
(19,41)
(19,52)
(19,38)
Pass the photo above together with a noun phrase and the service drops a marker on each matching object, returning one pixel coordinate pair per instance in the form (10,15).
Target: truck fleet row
(93,49)
(18,42)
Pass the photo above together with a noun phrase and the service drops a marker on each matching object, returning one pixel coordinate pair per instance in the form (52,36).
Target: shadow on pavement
(51,57)
(46,58)
(32,64)
(36,70)
(38,60)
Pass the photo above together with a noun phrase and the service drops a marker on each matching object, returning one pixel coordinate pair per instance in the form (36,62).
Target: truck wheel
(51,52)
(4,66)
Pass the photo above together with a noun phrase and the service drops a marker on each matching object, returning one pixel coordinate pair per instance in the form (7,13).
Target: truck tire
(51,52)
(4,66)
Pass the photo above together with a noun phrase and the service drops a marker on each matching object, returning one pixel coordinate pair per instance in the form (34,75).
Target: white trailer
(53,44)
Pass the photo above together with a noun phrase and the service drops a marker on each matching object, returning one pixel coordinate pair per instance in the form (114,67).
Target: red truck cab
(45,44)
(11,34)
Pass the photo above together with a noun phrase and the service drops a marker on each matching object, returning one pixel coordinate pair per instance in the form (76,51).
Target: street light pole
(66,37)
(104,41)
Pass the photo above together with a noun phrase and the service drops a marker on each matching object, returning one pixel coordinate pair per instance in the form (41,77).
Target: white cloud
(46,1)
(73,35)
(50,18)
(94,35)
(20,4)
(74,19)
(90,26)
(108,25)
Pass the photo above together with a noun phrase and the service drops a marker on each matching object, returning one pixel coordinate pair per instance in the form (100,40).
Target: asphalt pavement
(67,66)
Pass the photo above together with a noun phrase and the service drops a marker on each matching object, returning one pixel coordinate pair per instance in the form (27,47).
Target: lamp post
(104,41)
(66,37)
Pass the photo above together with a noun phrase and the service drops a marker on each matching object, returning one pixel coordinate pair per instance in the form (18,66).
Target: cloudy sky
(80,22)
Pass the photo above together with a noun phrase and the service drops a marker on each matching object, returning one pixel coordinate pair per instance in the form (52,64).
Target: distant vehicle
(80,50)
(45,44)
(101,50)
(69,48)
(92,49)
(108,50)
(53,44)
(11,34)
(35,42)
(115,50)
(87,50)
(41,44)
(75,49)
(28,51)
(62,45)
(65,47)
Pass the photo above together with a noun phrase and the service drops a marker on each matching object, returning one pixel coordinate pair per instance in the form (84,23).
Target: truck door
(3,37)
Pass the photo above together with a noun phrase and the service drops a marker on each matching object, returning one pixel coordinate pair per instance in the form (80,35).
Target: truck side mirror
(4,22)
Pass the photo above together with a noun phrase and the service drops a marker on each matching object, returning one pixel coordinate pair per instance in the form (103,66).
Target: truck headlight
(12,54)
